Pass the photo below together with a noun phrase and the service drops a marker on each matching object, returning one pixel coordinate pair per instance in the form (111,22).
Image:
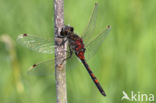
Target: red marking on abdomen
(81,55)
(96,81)
(92,75)
(78,48)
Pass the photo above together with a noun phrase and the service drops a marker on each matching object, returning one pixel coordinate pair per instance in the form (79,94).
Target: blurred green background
(125,62)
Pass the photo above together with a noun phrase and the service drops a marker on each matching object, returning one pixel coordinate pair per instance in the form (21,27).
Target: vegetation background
(125,62)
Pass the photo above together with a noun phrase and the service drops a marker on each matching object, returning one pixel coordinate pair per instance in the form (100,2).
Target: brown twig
(60,54)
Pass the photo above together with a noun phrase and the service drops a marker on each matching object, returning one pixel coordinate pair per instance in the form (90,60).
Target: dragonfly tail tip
(103,93)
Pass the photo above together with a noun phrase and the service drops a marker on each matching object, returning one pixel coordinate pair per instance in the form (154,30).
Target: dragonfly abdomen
(93,77)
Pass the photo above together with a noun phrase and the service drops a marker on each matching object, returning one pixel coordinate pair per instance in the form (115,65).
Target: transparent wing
(43,68)
(36,43)
(93,46)
(87,35)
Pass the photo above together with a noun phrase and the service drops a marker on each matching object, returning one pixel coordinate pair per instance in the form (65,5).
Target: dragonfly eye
(71,29)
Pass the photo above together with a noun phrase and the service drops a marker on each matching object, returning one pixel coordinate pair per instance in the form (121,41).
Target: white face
(67,30)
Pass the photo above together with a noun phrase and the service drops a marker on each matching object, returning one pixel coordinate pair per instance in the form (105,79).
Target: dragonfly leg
(63,41)
(60,36)
(70,55)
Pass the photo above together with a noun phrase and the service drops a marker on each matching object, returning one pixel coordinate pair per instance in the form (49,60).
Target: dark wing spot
(108,26)
(25,34)
(71,29)
(34,65)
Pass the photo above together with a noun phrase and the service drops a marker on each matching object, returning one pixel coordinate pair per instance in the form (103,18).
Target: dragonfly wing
(43,68)
(93,46)
(91,26)
(36,44)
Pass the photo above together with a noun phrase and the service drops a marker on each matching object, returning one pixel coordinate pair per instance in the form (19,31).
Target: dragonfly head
(67,30)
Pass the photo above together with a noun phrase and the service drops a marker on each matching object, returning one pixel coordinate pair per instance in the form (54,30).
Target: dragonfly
(83,46)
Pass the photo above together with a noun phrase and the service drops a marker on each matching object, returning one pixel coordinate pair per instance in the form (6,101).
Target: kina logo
(137,96)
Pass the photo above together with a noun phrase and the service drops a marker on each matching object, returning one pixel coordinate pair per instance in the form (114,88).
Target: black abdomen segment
(93,78)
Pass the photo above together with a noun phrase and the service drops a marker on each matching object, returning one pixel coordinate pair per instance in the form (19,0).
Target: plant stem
(60,54)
